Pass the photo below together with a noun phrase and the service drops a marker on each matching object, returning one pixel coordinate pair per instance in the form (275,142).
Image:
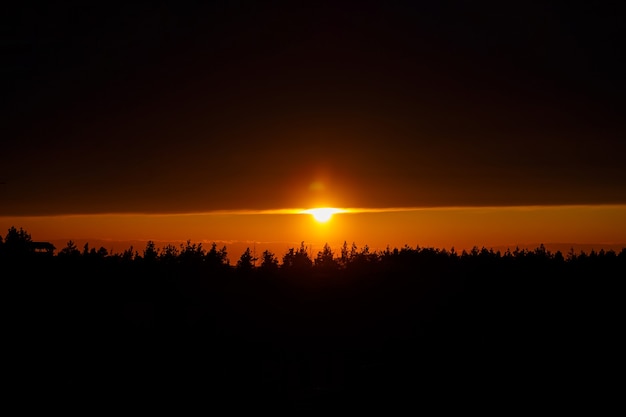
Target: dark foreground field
(412,328)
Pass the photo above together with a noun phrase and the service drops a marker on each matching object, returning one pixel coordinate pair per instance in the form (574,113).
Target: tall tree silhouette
(297,260)
(325,260)
(169,254)
(17,243)
(150,253)
(192,253)
(217,258)
(69,250)
(269,262)
(246,261)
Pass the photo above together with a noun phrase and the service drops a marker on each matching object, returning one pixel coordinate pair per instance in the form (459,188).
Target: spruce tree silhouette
(246,261)
(17,244)
(150,253)
(69,250)
(269,262)
(297,260)
(325,260)
(217,259)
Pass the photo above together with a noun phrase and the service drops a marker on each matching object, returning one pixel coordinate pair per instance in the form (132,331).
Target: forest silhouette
(352,329)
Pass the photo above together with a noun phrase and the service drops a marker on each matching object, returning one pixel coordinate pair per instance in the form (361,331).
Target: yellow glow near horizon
(559,227)
(323,214)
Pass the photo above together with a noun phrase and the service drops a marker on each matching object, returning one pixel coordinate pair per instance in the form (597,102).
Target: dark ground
(475,332)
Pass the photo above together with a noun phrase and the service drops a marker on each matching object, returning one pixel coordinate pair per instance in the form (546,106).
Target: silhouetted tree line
(357,325)
(18,245)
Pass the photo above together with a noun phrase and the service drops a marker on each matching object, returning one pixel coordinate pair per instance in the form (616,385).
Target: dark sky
(164,107)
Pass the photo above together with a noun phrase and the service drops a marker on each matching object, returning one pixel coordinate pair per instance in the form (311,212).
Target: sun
(324,214)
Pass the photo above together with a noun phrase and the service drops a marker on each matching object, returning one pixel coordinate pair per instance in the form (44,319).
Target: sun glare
(323,215)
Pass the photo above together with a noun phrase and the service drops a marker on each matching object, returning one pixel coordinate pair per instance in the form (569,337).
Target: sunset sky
(443,123)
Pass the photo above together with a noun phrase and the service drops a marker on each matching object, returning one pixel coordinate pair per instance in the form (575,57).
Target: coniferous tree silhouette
(297,260)
(269,262)
(150,253)
(217,259)
(246,261)
(70,250)
(325,260)
(17,243)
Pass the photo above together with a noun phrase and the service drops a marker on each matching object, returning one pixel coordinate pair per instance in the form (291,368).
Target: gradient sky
(560,227)
(165,108)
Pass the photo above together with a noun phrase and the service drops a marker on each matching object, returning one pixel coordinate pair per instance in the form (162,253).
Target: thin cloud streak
(347,210)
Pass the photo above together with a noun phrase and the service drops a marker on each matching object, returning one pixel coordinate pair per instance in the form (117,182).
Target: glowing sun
(323,215)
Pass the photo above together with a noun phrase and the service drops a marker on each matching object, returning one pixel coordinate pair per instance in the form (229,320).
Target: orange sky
(598,226)
(156,108)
